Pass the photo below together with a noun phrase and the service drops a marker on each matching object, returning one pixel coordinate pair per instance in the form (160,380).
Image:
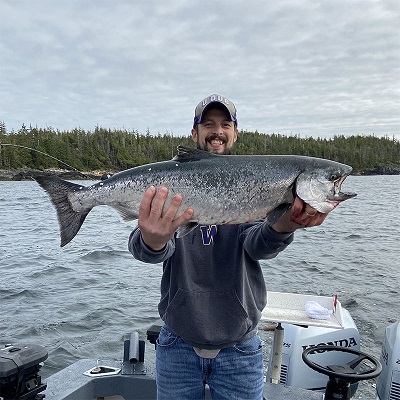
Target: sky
(291,67)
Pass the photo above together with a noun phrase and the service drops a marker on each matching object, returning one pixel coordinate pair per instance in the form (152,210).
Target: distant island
(102,151)
(25,174)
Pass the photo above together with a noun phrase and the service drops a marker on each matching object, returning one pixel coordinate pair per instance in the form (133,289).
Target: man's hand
(155,227)
(300,215)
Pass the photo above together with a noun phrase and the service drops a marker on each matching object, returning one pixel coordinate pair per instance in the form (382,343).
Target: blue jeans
(236,372)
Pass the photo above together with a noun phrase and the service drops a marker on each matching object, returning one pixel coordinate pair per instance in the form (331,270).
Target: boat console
(341,376)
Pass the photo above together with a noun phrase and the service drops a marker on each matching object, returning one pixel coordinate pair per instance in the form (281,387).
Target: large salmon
(222,189)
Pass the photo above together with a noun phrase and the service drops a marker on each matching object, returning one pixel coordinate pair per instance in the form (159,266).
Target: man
(212,288)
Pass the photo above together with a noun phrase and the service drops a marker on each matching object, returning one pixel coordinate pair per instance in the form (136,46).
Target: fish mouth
(321,189)
(339,196)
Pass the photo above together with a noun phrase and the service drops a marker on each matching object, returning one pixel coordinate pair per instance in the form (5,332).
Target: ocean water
(82,300)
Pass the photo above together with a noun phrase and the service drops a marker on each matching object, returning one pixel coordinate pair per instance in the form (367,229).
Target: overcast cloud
(315,68)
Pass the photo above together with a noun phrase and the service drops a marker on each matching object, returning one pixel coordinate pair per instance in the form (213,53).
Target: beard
(209,139)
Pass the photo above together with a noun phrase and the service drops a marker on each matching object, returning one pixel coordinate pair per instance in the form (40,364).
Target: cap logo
(214,98)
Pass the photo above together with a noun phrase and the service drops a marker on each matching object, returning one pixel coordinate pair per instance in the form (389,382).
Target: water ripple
(80,301)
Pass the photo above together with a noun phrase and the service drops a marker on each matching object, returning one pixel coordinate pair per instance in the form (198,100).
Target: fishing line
(45,154)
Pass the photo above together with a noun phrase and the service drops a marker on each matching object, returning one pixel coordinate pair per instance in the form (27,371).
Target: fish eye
(334,177)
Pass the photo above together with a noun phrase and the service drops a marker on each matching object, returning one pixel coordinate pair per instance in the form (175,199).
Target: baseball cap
(213,98)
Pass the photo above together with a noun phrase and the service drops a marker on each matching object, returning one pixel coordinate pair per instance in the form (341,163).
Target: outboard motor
(388,383)
(299,338)
(19,372)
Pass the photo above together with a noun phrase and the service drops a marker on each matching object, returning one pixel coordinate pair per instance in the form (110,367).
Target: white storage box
(290,308)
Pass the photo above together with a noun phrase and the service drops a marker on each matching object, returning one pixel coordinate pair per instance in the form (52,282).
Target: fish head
(320,187)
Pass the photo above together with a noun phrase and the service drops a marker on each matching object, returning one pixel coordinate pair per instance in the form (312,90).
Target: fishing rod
(45,154)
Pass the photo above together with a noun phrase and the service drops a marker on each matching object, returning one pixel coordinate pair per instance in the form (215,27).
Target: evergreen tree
(116,150)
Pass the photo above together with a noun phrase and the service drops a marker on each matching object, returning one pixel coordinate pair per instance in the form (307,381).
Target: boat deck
(71,384)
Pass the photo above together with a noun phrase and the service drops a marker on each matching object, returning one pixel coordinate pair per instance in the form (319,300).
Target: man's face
(216,133)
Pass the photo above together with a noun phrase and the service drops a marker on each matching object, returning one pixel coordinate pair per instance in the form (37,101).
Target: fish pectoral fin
(277,213)
(185,229)
(125,212)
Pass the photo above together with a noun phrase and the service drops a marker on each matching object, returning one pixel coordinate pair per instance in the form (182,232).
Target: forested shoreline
(105,150)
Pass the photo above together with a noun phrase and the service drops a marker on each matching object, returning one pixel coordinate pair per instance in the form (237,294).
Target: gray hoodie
(212,288)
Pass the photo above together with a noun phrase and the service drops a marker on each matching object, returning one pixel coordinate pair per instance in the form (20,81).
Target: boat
(388,382)
(314,362)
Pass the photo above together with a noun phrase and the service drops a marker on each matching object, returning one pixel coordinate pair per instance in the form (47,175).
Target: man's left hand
(300,215)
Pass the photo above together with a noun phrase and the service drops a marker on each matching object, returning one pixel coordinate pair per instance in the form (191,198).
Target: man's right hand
(155,227)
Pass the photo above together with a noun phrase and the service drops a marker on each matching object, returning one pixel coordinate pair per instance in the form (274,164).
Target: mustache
(216,137)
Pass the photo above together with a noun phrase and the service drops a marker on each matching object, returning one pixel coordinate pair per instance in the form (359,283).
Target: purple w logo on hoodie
(208,232)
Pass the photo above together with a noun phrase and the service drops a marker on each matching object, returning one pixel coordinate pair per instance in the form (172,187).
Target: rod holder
(134,348)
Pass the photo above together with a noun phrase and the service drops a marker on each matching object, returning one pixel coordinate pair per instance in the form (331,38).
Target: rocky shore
(382,170)
(25,174)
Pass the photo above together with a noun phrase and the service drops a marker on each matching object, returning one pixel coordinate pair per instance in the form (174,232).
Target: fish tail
(70,221)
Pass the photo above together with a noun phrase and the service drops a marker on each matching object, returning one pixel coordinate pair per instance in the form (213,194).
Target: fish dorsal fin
(188,154)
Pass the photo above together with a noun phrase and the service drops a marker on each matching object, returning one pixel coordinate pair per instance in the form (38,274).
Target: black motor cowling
(19,372)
